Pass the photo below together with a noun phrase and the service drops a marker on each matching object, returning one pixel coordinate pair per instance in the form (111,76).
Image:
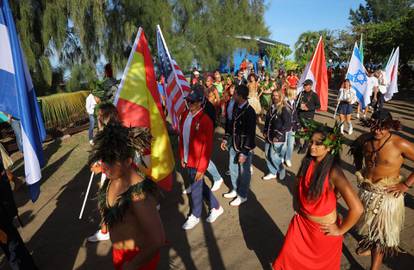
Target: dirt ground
(248,237)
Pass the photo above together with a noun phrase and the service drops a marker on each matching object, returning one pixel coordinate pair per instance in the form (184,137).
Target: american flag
(176,86)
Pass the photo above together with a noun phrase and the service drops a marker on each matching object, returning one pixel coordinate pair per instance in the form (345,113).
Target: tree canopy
(74,37)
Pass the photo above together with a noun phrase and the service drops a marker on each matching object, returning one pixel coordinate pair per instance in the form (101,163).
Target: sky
(287,19)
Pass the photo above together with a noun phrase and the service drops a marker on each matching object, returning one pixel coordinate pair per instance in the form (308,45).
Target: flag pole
(86,195)
(172,65)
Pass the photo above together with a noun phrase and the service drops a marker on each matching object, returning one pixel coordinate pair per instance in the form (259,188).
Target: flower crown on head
(334,140)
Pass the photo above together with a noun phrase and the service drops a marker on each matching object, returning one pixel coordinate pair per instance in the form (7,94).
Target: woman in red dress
(314,238)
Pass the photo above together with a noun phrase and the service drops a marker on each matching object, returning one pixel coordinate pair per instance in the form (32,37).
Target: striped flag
(139,105)
(391,72)
(18,98)
(176,86)
(358,78)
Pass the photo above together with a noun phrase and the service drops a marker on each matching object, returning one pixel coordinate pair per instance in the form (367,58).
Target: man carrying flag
(317,72)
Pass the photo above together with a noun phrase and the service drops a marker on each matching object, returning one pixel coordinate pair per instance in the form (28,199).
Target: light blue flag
(18,98)
(358,78)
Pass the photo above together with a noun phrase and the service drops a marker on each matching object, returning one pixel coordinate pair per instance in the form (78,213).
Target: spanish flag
(139,105)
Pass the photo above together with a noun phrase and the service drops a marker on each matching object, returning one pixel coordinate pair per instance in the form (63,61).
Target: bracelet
(405,184)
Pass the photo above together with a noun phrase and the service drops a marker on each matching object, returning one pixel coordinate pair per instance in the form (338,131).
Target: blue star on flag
(359,77)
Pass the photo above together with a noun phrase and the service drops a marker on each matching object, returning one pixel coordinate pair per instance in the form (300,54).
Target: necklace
(374,153)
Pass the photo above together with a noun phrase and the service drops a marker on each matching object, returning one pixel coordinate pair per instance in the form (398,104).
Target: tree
(376,11)
(77,34)
(389,24)
(278,54)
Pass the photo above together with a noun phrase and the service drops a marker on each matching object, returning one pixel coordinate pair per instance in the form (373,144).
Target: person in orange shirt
(292,80)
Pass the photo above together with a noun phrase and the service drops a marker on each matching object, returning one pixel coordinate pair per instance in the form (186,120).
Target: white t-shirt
(90,104)
(186,133)
(371,83)
(348,95)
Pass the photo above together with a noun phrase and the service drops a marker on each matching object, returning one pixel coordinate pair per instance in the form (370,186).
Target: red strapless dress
(306,246)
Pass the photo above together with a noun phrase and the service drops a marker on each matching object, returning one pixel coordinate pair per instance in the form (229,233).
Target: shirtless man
(127,201)
(381,186)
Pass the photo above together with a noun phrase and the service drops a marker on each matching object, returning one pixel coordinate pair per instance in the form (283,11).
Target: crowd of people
(128,200)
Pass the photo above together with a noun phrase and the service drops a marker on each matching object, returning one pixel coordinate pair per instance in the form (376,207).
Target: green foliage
(291,65)
(377,11)
(81,76)
(380,38)
(63,109)
(278,54)
(306,44)
(79,33)
(385,25)
(334,139)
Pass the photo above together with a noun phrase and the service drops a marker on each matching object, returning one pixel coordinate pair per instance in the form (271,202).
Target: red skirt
(307,247)
(121,256)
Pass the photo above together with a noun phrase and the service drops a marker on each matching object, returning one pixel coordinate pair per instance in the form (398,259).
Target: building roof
(262,40)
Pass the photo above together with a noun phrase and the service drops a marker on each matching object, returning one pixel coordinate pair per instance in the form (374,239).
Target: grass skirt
(383,217)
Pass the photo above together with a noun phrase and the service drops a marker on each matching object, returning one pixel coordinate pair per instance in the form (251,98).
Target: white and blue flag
(18,98)
(358,77)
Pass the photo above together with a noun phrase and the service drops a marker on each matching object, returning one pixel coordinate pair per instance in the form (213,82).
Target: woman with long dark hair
(315,234)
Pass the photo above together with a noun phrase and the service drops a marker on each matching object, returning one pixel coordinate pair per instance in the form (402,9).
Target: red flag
(317,71)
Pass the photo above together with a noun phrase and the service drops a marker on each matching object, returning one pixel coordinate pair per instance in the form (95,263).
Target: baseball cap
(308,82)
(196,94)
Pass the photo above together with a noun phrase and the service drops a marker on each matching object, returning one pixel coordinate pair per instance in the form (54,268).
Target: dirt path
(248,237)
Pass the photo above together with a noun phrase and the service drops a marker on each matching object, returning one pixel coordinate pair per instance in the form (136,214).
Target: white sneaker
(230,195)
(217,184)
(191,222)
(350,130)
(342,129)
(239,200)
(358,115)
(214,214)
(91,142)
(187,190)
(288,163)
(98,236)
(269,176)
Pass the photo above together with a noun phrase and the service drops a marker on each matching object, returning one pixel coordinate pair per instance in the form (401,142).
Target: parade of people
(183,135)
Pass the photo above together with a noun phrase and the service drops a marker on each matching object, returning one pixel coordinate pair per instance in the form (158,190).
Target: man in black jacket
(240,141)
(10,241)
(308,102)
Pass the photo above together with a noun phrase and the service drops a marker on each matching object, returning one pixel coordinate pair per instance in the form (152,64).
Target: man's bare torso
(384,163)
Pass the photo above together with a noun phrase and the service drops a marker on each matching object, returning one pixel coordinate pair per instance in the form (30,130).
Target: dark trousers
(380,102)
(18,256)
(200,191)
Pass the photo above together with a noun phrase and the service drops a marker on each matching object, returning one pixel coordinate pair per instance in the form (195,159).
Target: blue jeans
(200,191)
(212,170)
(240,173)
(274,158)
(17,129)
(290,142)
(91,126)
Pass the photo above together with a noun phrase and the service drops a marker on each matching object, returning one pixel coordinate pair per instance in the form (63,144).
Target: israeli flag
(18,98)
(356,74)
